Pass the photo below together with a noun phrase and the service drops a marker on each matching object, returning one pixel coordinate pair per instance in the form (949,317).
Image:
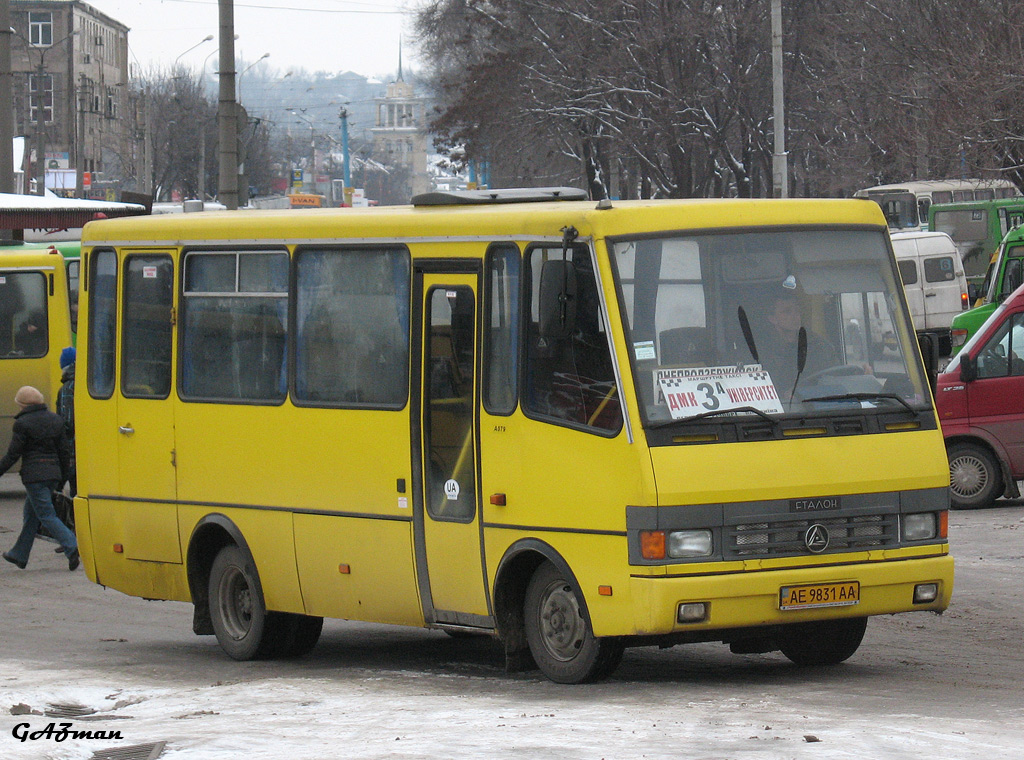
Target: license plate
(819,595)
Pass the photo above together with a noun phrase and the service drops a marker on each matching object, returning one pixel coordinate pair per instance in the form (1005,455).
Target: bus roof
(512,220)
(932,185)
(1017,200)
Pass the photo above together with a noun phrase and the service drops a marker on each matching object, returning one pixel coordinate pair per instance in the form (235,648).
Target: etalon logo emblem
(816,538)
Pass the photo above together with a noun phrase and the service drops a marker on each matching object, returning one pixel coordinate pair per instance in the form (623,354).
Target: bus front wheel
(822,642)
(559,635)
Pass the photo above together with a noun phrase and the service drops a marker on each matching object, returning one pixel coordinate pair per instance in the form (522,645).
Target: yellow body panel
(357,569)
(800,467)
(324,498)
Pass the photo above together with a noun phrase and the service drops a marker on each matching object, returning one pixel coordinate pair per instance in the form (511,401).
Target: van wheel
(975,479)
(244,628)
(823,642)
(560,638)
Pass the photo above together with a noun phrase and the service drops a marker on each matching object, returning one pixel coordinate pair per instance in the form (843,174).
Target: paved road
(949,686)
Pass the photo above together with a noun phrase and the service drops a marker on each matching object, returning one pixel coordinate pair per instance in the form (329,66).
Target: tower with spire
(399,137)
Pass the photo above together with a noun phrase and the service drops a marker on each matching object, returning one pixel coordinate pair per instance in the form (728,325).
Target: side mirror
(973,291)
(968,368)
(929,346)
(557,299)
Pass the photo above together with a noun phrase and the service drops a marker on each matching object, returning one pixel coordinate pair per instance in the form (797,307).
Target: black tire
(244,628)
(559,634)
(823,642)
(975,479)
(300,634)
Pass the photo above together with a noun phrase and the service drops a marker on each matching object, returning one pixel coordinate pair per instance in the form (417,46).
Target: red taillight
(965,302)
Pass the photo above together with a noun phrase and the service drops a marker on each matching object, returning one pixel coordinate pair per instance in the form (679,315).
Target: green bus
(1005,275)
(977,228)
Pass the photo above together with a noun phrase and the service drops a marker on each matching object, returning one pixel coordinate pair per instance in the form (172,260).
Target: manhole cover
(68,711)
(135,752)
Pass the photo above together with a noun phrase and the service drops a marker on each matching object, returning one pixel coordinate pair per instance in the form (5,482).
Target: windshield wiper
(715,413)
(863,397)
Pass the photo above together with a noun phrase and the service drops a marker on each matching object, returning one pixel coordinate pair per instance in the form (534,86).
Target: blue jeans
(39,511)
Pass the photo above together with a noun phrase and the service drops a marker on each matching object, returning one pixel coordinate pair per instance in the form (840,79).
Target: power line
(393,12)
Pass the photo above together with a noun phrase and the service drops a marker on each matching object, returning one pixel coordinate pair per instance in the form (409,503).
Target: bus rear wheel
(822,642)
(244,628)
(559,635)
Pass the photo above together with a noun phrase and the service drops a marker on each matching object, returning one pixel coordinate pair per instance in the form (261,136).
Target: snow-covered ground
(920,687)
(710,705)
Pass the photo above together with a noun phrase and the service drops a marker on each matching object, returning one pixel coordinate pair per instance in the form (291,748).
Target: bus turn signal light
(652,544)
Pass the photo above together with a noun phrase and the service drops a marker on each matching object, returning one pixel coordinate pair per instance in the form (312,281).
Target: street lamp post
(246,69)
(312,146)
(203,41)
(40,120)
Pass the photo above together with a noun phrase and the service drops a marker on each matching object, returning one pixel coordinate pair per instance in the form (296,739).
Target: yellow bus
(564,423)
(35,325)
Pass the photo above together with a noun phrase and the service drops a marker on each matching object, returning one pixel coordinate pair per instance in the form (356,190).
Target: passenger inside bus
(30,339)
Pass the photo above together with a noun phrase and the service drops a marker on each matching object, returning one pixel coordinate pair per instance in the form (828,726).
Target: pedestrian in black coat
(41,443)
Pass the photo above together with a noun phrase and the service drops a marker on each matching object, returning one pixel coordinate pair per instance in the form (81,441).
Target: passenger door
(912,287)
(447,518)
(145,412)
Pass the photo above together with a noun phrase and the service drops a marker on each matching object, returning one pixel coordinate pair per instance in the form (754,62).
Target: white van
(934,281)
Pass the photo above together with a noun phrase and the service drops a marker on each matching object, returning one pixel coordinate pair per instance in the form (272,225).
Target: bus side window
(102,323)
(501,334)
(352,327)
(570,377)
(148,293)
(234,344)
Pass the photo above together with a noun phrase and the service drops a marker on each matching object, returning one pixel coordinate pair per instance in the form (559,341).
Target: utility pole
(227,122)
(6,101)
(80,140)
(344,147)
(39,136)
(780,160)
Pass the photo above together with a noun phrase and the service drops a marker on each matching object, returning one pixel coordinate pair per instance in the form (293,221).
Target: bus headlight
(689,543)
(919,527)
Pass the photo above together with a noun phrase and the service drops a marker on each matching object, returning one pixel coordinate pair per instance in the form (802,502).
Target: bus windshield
(766,324)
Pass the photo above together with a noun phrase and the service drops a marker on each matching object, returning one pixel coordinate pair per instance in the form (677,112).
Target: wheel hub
(561,625)
(236,604)
(967,476)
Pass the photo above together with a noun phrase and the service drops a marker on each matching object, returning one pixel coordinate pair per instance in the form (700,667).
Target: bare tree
(672,97)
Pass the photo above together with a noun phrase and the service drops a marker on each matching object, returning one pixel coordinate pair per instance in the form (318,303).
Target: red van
(980,401)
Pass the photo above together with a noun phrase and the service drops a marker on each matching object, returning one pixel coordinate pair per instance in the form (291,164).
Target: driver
(777,345)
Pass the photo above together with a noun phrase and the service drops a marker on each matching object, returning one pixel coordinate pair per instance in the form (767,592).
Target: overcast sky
(330,35)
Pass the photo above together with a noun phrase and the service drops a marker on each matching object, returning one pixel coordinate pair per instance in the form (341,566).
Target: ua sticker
(451,490)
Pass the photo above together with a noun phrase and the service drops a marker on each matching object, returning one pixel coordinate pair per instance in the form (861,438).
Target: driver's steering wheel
(840,370)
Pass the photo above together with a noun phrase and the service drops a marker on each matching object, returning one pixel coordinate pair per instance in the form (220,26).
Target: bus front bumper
(752,598)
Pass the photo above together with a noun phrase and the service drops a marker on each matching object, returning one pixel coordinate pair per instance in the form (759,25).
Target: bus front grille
(788,537)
